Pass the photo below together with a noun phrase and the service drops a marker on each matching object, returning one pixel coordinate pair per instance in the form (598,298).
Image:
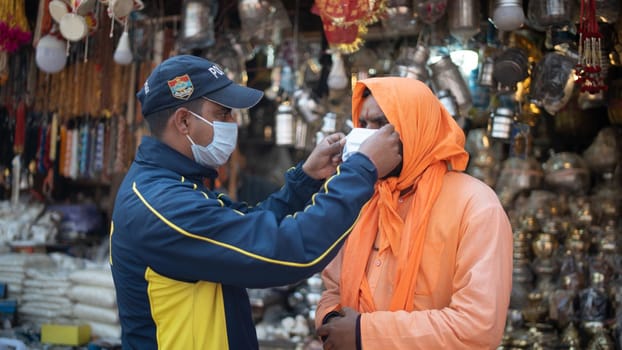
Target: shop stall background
(541,114)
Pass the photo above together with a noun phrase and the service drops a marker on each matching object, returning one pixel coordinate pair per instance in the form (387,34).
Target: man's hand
(340,332)
(323,160)
(383,149)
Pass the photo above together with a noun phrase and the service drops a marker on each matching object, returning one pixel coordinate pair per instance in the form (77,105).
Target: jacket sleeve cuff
(297,175)
(359,345)
(363,161)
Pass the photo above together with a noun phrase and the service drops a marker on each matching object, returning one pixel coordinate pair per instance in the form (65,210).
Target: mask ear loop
(190,139)
(201,118)
(188,135)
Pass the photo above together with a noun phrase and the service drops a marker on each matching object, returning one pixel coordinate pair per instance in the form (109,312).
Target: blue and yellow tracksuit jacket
(182,256)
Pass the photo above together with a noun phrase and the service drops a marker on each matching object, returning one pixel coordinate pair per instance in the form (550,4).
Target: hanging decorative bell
(337,78)
(198,24)
(463,19)
(508,14)
(123,53)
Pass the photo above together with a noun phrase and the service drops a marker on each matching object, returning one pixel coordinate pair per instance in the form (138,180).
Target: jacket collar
(158,154)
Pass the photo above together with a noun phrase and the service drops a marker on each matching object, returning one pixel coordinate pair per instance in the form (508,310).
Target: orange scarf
(432,141)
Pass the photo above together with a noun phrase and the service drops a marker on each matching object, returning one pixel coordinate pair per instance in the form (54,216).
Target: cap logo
(216,72)
(181,87)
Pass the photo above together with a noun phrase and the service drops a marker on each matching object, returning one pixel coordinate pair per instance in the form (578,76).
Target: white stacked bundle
(45,297)
(13,268)
(95,301)
(27,225)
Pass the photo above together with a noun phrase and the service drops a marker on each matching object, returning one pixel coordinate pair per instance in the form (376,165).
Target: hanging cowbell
(198,24)
(123,53)
(545,14)
(508,15)
(337,78)
(463,19)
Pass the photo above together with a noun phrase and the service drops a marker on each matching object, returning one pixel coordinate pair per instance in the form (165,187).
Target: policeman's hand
(340,332)
(323,160)
(383,149)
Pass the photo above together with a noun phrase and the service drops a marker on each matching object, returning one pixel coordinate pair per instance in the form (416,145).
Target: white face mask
(218,152)
(354,140)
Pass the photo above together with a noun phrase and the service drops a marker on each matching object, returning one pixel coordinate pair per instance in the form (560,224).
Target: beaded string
(589,68)
(99,149)
(14,28)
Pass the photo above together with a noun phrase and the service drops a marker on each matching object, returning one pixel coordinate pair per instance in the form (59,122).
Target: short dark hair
(157,121)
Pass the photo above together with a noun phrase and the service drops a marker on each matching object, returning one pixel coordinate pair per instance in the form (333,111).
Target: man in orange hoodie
(429,262)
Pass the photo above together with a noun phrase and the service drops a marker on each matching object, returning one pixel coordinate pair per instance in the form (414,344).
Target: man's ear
(180,120)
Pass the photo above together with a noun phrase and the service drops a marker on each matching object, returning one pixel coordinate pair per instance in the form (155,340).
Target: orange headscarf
(432,142)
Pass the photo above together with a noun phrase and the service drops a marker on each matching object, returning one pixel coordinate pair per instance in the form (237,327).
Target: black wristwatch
(330,316)
(334,314)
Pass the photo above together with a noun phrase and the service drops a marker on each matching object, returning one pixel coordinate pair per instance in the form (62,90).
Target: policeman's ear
(181,120)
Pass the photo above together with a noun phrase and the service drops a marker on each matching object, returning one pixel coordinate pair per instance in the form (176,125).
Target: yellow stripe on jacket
(179,311)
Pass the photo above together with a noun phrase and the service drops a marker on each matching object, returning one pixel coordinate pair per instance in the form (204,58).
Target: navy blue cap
(183,78)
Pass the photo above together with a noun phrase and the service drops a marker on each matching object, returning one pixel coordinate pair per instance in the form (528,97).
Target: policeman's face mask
(222,146)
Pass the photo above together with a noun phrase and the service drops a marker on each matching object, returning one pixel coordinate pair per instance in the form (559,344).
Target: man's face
(211,112)
(372,117)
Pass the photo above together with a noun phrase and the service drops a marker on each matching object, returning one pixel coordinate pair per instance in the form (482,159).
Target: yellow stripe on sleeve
(232,247)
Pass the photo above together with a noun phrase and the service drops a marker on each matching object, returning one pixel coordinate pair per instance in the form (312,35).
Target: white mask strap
(189,139)
(203,119)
